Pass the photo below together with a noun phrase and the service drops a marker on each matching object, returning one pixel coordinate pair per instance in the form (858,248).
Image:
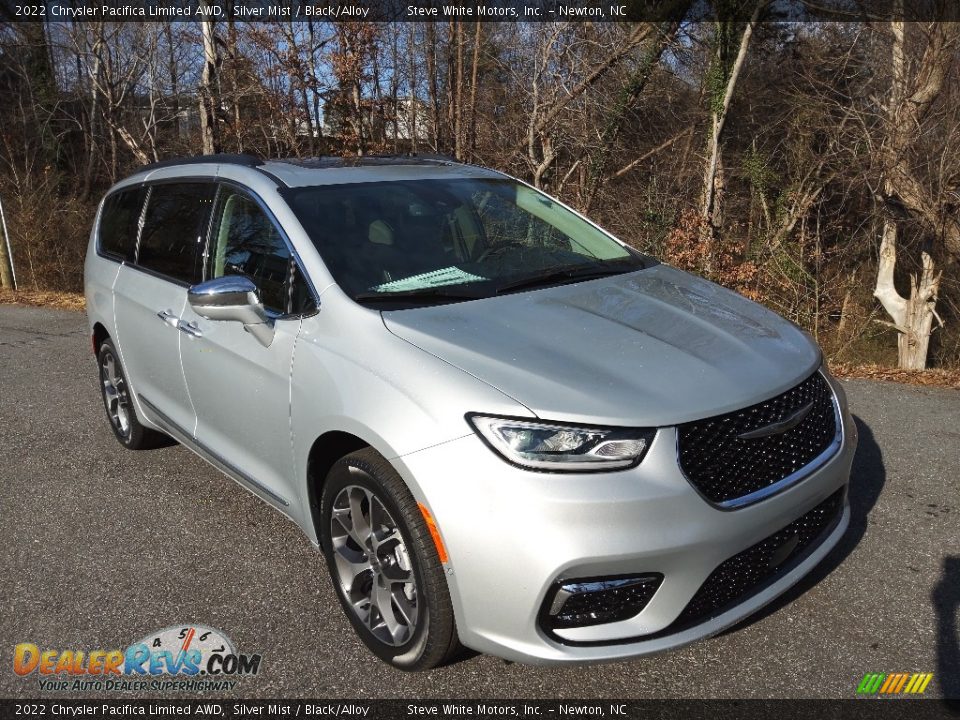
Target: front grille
(747,571)
(725,466)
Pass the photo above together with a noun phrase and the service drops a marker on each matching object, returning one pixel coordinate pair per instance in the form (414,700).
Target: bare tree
(207,96)
(912,95)
(720,106)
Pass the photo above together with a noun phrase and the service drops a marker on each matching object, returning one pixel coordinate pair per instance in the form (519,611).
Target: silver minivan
(503,427)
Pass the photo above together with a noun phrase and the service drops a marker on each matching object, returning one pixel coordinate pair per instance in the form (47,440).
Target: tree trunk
(208,114)
(912,317)
(394,91)
(718,118)
(174,79)
(458,90)
(94,110)
(472,128)
(6,262)
(314,80)
(412,95)
(432,90)
(233,55)
(843,326)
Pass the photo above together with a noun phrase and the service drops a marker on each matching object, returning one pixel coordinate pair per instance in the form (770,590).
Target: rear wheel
(384,564)
(116,401)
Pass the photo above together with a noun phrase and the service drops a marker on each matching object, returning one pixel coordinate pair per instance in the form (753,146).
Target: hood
(650,348)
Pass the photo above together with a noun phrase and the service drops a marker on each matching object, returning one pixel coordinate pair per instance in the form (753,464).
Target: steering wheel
(501,248)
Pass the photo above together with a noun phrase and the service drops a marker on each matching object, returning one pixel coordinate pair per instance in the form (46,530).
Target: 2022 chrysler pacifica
(503,427)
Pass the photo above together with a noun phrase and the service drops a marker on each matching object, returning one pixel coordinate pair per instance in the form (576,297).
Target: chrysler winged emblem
(779,427)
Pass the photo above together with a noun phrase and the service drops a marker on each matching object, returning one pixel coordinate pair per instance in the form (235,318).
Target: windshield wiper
(568,274)
(430,293)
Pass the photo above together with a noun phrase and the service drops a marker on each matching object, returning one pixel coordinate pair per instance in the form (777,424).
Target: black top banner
(477,10)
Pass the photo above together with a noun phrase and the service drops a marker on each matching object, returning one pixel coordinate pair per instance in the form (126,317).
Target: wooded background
(814,167)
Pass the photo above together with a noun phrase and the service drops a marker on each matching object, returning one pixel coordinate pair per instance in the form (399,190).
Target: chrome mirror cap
(224,292)
(233,298)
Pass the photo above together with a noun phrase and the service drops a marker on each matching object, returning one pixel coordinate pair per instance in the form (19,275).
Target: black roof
(322,162)
(232,159)
(319,163)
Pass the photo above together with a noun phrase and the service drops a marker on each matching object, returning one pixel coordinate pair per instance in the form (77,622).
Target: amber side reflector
(434,533)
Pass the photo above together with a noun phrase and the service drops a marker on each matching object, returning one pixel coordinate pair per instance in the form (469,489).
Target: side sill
(219,463)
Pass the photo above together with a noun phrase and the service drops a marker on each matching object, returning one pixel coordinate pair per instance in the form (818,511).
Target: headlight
(548,446)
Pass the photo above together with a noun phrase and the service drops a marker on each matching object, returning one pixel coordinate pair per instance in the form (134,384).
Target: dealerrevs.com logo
(181,657)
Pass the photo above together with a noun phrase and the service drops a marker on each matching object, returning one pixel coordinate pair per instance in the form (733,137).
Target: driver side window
(244,241)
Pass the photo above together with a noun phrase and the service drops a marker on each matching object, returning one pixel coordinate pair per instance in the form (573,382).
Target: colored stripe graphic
(894,683)
(891,681)
(871,683)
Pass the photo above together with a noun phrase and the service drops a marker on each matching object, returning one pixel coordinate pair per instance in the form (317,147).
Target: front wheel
(384,564)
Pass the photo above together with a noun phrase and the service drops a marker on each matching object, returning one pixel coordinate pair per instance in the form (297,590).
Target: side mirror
(233,297)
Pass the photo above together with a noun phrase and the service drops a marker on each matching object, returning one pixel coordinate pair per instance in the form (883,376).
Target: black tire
(121,413)
(433,640)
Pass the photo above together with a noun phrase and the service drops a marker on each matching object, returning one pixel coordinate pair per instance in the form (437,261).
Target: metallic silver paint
(650,349)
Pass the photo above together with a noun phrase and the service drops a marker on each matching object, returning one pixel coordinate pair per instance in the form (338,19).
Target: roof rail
(337,161)
(221,158)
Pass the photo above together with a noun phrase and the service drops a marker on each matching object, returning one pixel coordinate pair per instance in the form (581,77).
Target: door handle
(190,329)
(169,318)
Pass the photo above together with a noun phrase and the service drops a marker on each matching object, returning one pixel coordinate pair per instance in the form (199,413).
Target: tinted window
(173,229)
(246,242)
(420,235)
(118,223)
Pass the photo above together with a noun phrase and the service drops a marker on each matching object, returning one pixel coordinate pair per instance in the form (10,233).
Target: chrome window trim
(793,478)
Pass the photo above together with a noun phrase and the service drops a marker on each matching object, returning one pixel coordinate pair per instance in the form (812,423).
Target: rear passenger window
(174,228)
(118,223)
(246,242)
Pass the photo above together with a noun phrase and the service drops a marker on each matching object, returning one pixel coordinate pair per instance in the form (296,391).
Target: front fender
(350,374)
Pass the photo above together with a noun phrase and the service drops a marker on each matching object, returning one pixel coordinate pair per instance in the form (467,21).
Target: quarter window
(118,223)
(246,242)
(173,230)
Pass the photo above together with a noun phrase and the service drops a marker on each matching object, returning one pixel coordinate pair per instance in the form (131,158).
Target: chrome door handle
(169,318)
(190,329)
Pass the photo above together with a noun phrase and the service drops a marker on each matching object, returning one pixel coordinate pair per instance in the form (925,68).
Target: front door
(241,389)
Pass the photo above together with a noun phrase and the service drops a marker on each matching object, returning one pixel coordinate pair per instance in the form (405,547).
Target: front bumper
(511,534)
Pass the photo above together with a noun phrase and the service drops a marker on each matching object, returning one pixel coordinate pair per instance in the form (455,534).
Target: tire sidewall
(107,347)
(353,471)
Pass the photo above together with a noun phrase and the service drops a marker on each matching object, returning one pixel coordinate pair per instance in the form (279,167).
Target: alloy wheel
(373,565)
(115,395)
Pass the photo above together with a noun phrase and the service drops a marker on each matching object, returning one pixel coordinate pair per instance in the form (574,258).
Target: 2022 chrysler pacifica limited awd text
(502,426)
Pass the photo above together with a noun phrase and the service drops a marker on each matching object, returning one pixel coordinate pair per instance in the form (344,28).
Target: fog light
(595,601)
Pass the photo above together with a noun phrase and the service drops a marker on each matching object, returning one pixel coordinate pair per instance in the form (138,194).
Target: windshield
(445,240)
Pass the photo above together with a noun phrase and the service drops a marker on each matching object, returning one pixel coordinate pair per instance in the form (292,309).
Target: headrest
(380,233)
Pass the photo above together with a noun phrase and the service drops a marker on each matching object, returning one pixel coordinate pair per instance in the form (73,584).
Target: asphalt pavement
(102,546)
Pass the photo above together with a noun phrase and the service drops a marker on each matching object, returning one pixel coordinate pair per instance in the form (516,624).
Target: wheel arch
(324,452)
(99,335)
